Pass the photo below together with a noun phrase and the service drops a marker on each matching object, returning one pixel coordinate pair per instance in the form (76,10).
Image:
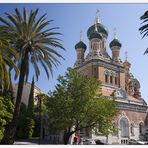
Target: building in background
(26,92)
(118,83)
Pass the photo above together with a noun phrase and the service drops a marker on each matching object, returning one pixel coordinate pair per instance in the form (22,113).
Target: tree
(40,98)
(144,28)
(29,118)
(6,61)
(35,43)
(26,118)
(21,124)
(6,112)
(77,102)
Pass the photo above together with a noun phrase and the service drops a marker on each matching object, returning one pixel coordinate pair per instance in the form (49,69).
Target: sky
(71,18)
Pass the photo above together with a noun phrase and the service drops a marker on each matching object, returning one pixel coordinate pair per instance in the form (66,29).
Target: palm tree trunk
(11,87)
(9,135)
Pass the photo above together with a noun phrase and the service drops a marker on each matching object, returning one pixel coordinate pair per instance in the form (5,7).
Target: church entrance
(124,130)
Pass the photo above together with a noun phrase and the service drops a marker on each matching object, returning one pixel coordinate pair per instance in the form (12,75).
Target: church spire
(97,17)
(81,35)
(115,33)
(96,28)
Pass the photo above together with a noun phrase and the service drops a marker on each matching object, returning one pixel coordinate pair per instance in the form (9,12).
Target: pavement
(33,141)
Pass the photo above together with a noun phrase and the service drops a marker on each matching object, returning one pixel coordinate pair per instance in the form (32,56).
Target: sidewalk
(32,141)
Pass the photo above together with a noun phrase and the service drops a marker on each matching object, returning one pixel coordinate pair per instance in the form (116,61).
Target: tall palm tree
(6,62)
(35,44)
(144,28)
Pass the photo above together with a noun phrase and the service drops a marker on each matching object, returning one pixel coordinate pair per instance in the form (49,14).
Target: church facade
(118,83)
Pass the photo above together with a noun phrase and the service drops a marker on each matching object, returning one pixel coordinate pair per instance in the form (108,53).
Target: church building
(118,83)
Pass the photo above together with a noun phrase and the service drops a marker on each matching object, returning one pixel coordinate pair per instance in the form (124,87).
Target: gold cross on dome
(115,33)
(97,16)
(81,35)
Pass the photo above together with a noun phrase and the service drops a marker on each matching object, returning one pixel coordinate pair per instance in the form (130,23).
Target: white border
(73,1)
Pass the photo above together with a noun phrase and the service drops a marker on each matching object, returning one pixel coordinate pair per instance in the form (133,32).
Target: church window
(140,128)
(132,129)
(111,79)
(116,81)
(106,78)
(124,127)
(102,44)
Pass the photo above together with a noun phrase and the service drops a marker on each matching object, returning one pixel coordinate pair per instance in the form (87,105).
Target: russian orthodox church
(118,83)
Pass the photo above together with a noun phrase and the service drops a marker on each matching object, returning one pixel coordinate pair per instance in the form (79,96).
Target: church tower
(115,46)
(80,49)
(118,83)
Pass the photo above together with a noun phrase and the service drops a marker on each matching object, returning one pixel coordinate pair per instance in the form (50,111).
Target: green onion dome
(101,29)
(95,34)
(115,42)
(80,45)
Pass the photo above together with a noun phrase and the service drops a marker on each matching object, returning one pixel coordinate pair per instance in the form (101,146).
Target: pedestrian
(75,140)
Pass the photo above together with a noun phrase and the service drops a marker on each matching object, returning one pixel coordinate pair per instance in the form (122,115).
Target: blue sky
(71,18)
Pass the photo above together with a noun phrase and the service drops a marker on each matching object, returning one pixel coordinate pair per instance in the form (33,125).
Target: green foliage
(20,128)
(77,101)
(144,28)
(32,38)
(6,112)
(26,118)
(37,44)
(36,132)
(7,56)
(28,127)
(29,119)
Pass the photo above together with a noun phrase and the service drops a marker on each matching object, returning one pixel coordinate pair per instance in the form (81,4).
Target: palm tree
(35,44)
(144,28)
(6,62)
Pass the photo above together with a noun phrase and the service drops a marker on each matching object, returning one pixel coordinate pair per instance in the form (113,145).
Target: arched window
(116,80)
(103,44)
(124,127)
(132,129)
(106,76)
(140,128)
(111,79)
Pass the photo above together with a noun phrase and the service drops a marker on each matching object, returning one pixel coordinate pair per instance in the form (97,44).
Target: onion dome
(80,44)
(115,42)
(97,26)
(95,34)
(101,29)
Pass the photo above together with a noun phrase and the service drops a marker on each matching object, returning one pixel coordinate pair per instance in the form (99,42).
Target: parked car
(132,142)
(137,142)
(98,142)
(142,142)
(89,142)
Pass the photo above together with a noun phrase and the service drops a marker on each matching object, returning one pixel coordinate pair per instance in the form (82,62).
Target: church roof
(115,42)
(95,34)
(81,45)
(101,29)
